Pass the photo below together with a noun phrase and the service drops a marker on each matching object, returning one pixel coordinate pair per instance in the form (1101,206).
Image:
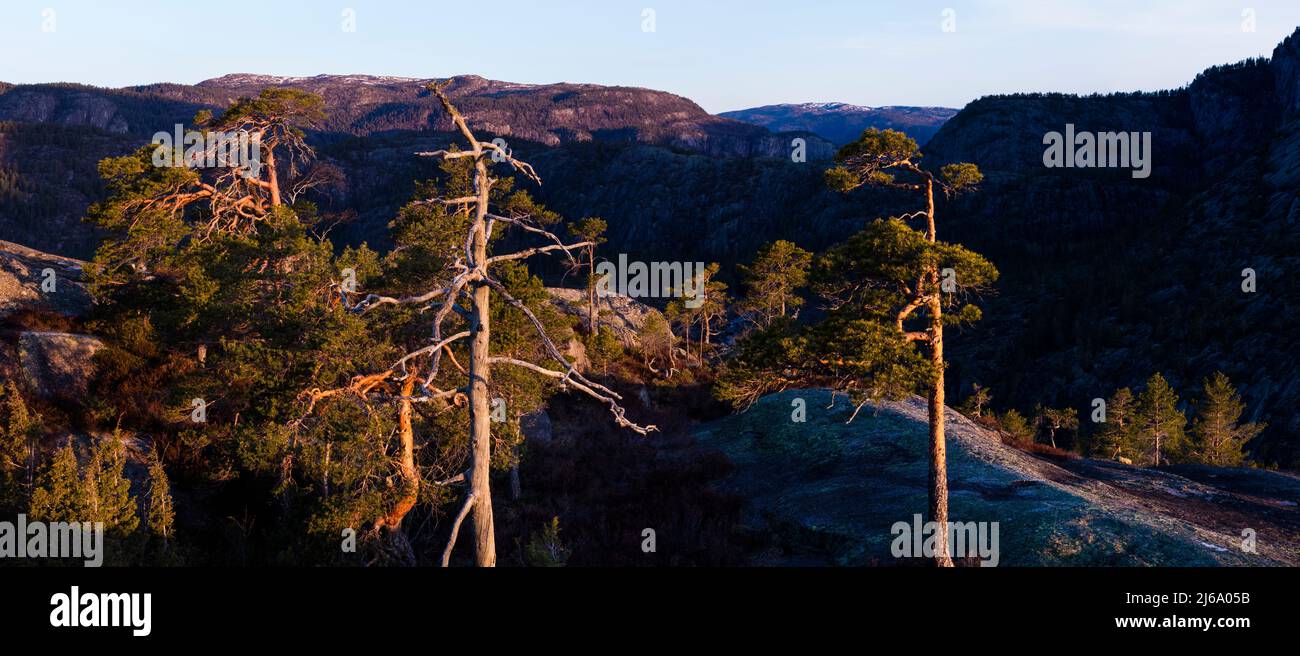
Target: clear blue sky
(724,54)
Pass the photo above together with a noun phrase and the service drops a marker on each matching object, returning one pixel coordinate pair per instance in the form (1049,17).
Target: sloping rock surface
(827,492)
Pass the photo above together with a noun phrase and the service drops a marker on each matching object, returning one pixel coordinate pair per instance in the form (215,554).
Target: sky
(723,54)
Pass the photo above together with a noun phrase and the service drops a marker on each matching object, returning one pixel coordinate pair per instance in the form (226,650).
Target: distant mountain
(53,135)
(841,123)
(362,105)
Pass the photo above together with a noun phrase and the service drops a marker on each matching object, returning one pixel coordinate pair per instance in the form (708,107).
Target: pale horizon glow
(725,55)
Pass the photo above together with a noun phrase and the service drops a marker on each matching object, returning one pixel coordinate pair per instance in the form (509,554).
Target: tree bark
(516,486)
(273,177)
(480,434)
(591,291)
(325,477)
(406,466)
(938,444)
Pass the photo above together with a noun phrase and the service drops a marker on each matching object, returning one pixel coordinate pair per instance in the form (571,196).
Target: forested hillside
(362,334)
(841,123)
(1067,331)
(1110,278)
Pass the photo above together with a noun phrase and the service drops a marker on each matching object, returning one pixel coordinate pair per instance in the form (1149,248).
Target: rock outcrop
(31,279)
(621,314)
(51,364)
(58,365)
(827,492)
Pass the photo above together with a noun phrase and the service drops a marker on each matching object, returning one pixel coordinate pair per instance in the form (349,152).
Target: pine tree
(237,268)
(1160,424)
(1017,427)
(888,290)
(1218,436)
(19,428)
(545,548)
(107,490)
(590,230)
(604,348)
(771,282)
(979,397)
(657,342)
(1117,439)
(1056,420)
(463,291)
(161,513)
(58,496)
(705,305)
(202,202)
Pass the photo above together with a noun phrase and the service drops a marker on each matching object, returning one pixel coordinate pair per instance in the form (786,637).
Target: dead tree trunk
(480,433)
(474,279)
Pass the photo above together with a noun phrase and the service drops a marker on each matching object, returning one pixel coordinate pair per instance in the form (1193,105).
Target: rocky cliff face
(659,202)
(32,280)
(1286,74)
(140,111)
(58,365)
(622,315)
(39,288)
(1109,278)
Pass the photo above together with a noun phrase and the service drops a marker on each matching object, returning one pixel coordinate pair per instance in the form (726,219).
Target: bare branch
(519,165)
(551,349)
(520,222)
(582,385)
(455,528)
(432,348)
(855,412)
(463,200)
(448,154)
(458,478)
(456,118)
(372,301)
(526,253)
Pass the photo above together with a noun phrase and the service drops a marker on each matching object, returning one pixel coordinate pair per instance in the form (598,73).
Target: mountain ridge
(363,105)
(841,123)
